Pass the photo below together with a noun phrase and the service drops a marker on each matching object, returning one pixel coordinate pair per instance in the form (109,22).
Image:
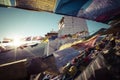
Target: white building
(72,25)
(67,25)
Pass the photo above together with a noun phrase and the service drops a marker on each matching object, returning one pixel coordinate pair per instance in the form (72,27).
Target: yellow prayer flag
(5,3)
(36,5)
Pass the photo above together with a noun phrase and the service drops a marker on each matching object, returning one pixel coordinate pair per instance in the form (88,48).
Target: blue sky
(31,23)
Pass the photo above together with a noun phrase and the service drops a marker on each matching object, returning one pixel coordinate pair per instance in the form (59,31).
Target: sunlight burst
(17,41)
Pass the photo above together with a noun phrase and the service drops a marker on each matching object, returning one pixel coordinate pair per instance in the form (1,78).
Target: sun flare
(17,41)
